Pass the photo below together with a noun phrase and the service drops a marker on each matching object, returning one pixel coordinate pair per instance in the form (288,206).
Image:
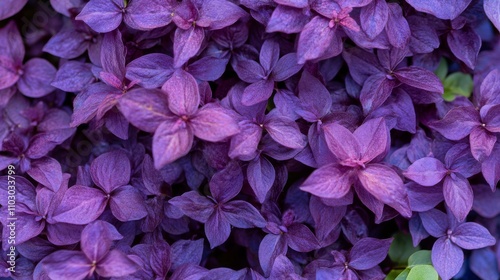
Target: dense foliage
(250,139)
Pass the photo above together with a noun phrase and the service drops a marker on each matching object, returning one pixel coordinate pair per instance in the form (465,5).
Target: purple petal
(208,68)
(73,76)
(186,252)
(87,102)
(271,247)
(80,205)
(257,92)
(492,10)
(417,230)
(426,171)
(313,95)
(227,183)
(419,78)
(127,204)
(261,175)
(300,238)
(465,44)
(116,264)
(373,137)
(386,185)
(286,67)
(371,202)
(8,73)
(12,45)
(38,74)
(364,64)
(326,218)
(97,238)
(242,214)
(424,38)
(11,7)
(217,14)
(435,222)
(491,167)
(447,258)
(145,109)
(330,181)
(65,264)
(457,123)
(483,263)
(150,70)
(194,206)
(368,252)
(214,123)
(102,16)
(293,3)
(172,140)
(111,170)
(423,198)
(446,9)
(147,14)
(63,234)
(67,44)
(27,226)
(284,131)
(485,203)
(288,20)
(373,17)
(113,55)
(47,171)
(318,40)
(398,30)
(375,92)
(183,93)
(269,54)
(489,88)
(490,117)
(249,70)
(472,236)
(244,144)
(458,195)
(187,43)
(217,228)
(336,137)
(481,143)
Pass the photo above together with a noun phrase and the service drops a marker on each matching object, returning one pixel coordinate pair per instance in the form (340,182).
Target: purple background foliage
(270,139)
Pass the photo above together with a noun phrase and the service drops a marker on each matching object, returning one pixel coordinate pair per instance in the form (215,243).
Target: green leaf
(422,257)
(393,274)
(442,69)
(457,84)
(423,272)
(401,248)
(403,275)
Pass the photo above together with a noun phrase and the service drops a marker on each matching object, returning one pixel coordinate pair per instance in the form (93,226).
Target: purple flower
(11,7)
(459,165)
(174,137)
(359,263)
(447,255)
(381,74)
(105,16)
(219,212)
(358,155)
(111,174)
(283,232)
(263,76)
(96,256)
(321,37)
(33,78)
(193,18)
